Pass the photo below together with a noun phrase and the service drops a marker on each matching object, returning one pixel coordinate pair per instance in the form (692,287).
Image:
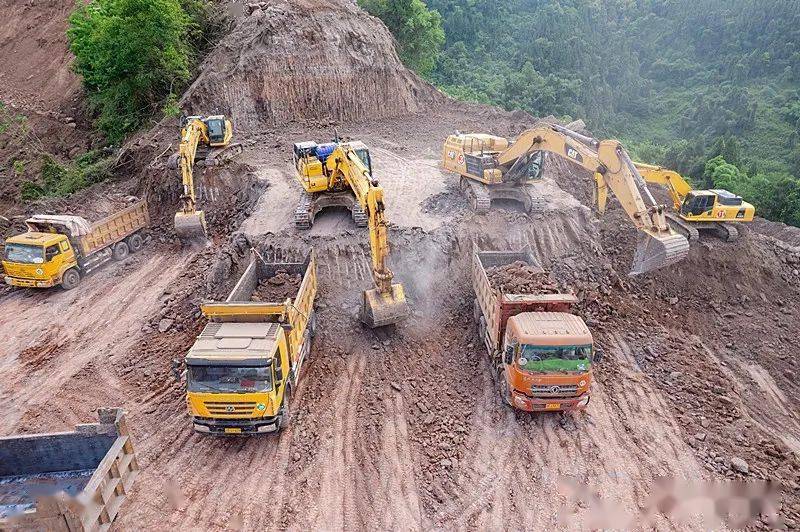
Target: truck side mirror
(598,355)
(279,374)
(176,369)
(509,354)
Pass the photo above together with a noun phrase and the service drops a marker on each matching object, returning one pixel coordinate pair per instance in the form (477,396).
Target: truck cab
(37,259)
(547,359)
(236,377)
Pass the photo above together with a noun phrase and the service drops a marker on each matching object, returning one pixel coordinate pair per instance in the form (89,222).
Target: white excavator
(481,158)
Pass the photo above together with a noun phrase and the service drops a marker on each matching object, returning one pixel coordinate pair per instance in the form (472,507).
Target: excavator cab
(218,130)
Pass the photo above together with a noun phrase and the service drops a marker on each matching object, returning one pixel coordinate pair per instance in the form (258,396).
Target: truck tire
(121,251)
(70,279)
(135,242)
(286,417)
(505,393)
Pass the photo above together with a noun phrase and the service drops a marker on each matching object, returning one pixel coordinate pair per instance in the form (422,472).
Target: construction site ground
(404,428)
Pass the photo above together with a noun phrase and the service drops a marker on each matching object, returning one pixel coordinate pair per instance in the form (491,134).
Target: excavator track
(478,195)
(302,214)
(359,216)
(727,232)
(684,228)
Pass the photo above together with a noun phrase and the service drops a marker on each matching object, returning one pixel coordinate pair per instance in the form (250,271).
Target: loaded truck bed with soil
(540,352)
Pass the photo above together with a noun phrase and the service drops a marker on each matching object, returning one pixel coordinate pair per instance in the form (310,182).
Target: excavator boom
(659,245)
(386,303)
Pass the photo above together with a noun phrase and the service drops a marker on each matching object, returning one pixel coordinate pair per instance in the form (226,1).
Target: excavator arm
(386,304)
(659,246)
(675,184)
(190,224)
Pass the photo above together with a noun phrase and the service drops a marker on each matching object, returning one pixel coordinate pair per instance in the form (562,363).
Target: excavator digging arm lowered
(190,224)
(659,245)
(386,304)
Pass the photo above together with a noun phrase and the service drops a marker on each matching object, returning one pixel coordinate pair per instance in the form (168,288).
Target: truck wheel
(505,393)
(135,243)
(121,251)
(286,417)
(70,279)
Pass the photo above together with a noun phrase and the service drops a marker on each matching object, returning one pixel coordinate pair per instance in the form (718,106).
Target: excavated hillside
(404,428)
(319,61)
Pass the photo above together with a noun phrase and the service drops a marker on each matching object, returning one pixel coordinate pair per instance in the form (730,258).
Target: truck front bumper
(236,427)
(550,404)
(28,283)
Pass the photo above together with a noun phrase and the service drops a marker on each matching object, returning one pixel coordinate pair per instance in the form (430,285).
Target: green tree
(132,55)
(418,30)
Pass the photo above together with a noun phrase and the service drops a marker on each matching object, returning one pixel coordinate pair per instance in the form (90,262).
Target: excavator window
(216,130)
(363,154)
(697,204)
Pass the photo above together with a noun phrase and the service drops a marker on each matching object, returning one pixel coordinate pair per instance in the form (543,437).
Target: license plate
(233,431)
(552,406)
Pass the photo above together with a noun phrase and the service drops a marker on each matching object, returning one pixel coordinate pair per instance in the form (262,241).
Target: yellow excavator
(658,246)
(715,210)
(204,141)
(474,157)
(344,170)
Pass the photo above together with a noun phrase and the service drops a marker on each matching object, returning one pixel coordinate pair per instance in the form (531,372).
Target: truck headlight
(41,284)
(7,279)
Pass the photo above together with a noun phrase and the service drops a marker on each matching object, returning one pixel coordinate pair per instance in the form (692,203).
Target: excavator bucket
(191,227)
(380,309)
(654,252)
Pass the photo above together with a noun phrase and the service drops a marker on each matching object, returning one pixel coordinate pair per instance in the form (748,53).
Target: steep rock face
(306,60)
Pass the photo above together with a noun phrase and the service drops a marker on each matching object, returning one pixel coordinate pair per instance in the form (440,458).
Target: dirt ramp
(306,60)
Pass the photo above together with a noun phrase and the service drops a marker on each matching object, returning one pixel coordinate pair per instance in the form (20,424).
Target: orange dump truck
(542,353)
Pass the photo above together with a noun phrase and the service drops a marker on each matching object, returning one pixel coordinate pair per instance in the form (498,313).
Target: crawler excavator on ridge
(658,246)
(344,168)
(204,141)
(714,210)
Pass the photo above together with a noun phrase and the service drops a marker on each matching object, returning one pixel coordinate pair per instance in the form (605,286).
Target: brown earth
(404,428)
(279,287)
(520,278)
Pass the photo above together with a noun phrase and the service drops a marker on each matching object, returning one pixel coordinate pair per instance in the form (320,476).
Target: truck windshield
(229,379)
(544,359)
(24,253)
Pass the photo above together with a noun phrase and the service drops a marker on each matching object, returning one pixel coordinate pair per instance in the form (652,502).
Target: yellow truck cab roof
(32,238)
(235,344)
(550,328)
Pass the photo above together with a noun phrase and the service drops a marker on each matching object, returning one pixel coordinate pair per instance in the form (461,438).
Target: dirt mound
(36,59)
(321,61)
(279,287)
(521,278)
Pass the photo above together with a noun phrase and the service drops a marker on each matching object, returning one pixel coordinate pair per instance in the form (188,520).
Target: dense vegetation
(136,56)
(681,82)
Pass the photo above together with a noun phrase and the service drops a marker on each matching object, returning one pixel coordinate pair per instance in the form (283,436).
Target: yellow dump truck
(542,353)
(67,481)
(60,249)
(244,365)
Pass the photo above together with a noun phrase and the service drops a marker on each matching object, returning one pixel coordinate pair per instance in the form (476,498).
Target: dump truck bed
(67,480)
(497,307)
(114,228)
(239,307)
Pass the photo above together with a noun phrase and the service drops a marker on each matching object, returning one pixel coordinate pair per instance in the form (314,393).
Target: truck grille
(224,408)
(563,390)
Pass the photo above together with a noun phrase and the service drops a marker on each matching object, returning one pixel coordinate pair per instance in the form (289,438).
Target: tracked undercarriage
(691,230)
(480,195)
(311,204)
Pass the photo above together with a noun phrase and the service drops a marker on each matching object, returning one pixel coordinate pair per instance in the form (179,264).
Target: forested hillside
(681,82)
